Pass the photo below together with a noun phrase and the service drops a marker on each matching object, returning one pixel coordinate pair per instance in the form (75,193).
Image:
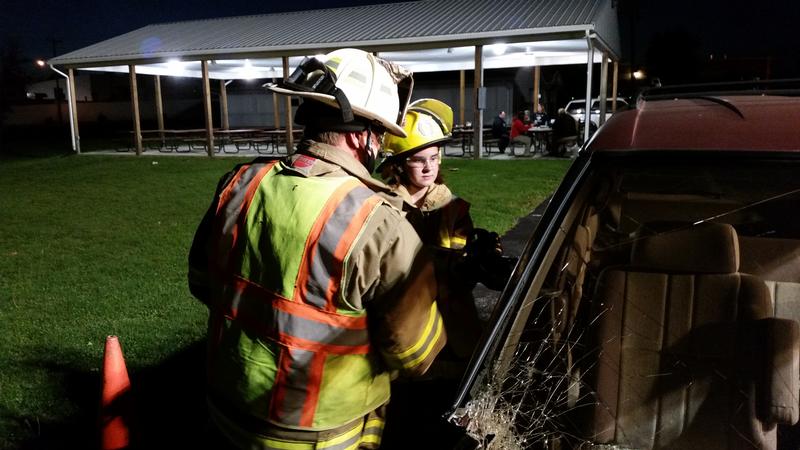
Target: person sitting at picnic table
(565,133)
(540,117)
(500,132)
(519,133)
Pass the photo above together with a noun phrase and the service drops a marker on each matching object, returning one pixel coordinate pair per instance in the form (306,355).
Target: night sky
(79,23)
(726,28)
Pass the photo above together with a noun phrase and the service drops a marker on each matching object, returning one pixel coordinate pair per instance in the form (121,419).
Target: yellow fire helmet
(428,122)
(356,82)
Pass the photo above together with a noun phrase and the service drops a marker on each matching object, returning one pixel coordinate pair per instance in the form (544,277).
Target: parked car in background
(576,109)
(656,303)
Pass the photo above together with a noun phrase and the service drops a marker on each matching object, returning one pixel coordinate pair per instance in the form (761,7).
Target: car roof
(721,122)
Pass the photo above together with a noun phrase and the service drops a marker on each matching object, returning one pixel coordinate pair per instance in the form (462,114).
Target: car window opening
(635,230)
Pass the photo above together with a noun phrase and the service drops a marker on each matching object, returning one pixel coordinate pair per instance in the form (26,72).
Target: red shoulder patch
(303,162)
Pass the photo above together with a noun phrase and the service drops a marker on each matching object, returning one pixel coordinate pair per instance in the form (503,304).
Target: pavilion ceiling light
(499,49)
(175,66)
(246,71)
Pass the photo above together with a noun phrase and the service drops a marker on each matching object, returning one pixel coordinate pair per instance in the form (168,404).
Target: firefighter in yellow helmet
(445,226)
(442,220)
(319,291)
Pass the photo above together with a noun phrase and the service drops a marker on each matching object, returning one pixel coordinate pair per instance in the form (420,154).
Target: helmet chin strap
(369,161)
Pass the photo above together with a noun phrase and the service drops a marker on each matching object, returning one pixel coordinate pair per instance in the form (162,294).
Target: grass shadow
(168,406)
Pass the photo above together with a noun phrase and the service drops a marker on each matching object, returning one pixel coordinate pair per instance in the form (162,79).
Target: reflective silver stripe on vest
(318,332)
(231,211)
(262,310)
(323,266)
(295,385)
(236,198)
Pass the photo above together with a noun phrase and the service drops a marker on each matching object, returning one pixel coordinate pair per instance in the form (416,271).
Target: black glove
(484,260)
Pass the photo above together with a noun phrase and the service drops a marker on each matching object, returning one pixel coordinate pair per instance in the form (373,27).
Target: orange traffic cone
(115,403)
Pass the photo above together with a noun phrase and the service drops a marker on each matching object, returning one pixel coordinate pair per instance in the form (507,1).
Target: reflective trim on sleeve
(350,439)
(278,444)
(373,431)
(347,440)
(457,242)
(416,354)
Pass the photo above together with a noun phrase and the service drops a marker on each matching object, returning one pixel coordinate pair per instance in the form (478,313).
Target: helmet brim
(330,100)
(395,158)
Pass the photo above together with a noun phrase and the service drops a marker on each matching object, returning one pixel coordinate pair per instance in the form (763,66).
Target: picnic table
(263,141)
(540,136)
(463,136)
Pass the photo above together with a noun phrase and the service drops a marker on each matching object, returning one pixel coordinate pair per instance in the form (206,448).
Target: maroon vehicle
(656,303)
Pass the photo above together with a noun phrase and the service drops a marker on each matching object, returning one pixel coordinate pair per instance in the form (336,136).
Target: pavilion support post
(614,80)
(73,109)
(223,104)
(603,89)
(209,123)
(289,137)
(276,111)
(537,76)
(159,107)
(480,99)
(587,113)
(461,96)
(137,124)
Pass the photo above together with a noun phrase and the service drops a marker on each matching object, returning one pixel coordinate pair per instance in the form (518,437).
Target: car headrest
(704,248)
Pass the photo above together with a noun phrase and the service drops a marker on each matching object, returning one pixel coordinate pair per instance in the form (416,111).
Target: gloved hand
(482,243)
(484,260)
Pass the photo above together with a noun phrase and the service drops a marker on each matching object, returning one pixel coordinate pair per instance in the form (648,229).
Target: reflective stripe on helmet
(428,122)
(437,109)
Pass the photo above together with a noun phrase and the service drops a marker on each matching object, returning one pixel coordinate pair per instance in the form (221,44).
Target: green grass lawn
(96,245)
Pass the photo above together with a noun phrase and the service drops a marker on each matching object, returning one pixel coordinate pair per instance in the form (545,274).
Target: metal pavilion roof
(428,33)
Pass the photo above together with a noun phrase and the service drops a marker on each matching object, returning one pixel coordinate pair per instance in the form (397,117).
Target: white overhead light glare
(499,49)
(246,71)
(639,74)
(175,66)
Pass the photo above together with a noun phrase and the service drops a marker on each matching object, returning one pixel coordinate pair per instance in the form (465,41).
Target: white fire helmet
(356,82)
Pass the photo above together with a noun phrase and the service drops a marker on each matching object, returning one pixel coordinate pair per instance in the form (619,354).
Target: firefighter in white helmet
(319,290)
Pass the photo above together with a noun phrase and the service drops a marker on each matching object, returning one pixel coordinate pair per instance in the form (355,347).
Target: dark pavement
(513,243)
